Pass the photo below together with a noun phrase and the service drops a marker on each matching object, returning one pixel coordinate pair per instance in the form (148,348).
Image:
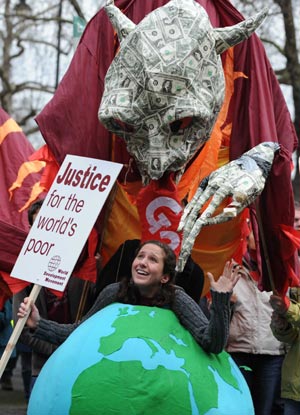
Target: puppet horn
(120,22)
(232,35)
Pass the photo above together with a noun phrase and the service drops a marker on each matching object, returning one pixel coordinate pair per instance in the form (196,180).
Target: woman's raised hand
(230,276)
(34,316)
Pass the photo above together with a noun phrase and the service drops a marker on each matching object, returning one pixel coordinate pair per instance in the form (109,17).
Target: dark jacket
(6,326)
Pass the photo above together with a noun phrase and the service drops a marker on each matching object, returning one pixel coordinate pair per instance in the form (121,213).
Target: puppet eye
(127,128)
(182,124)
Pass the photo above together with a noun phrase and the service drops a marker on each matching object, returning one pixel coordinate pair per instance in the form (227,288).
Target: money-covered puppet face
(165,88)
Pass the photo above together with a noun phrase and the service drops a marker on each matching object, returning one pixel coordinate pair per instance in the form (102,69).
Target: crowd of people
(259,329)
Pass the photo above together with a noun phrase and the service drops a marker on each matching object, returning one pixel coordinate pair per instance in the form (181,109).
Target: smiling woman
(152,276)
(151,284)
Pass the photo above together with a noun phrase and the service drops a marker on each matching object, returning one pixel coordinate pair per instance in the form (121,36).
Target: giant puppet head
(164,89)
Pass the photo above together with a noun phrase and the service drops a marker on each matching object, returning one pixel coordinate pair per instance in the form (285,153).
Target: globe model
(137,360)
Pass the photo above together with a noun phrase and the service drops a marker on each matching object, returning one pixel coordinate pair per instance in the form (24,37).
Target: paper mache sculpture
(163,92)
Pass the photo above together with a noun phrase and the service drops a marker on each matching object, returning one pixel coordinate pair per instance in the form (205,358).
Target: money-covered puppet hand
(242,180)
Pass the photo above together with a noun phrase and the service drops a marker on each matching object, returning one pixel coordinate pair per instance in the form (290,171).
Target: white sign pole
(61,229)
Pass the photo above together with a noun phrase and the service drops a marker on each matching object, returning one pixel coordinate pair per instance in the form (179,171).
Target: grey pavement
(13,402)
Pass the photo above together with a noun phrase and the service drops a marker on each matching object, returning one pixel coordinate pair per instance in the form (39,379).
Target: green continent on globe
(150,358)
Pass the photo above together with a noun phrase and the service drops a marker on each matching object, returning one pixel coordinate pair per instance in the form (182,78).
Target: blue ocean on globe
(137,360)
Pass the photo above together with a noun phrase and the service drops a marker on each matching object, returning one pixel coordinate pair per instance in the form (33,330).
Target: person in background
(285,325)
(253,347)
(5,333)
(297,216)
(251,343)
(151,284)
(62,310)
(25,354)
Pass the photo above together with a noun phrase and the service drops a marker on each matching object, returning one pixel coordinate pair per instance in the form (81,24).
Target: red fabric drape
(14,150)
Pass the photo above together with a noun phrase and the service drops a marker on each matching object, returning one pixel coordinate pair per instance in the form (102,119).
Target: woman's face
(147,269)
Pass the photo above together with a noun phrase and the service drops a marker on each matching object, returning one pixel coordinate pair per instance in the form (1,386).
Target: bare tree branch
(274,44)
(77,8)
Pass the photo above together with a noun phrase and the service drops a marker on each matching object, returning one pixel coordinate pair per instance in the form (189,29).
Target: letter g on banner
(160,212)
(157,216)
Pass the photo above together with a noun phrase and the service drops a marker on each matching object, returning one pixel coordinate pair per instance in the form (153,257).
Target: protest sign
(65,220)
